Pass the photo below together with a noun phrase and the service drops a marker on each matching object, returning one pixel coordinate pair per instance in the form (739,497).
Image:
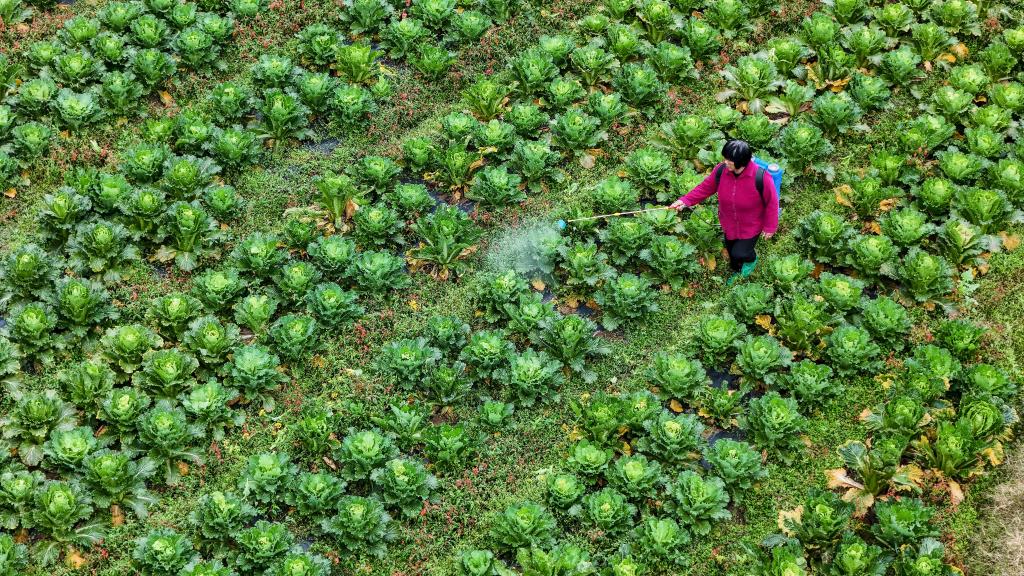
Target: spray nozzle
(562,224)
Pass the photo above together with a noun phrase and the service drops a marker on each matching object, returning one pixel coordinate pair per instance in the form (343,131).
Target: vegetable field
(282,291)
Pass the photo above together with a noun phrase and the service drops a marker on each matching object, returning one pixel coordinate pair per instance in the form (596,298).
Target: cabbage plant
(63,514)
(265,477)
(698,501)
(404,484)
(673,439)
(624,298)
(775,424)
(168,438)
(526,524)
(738,464)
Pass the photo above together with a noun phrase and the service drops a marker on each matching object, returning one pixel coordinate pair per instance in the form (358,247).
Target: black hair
(738,152)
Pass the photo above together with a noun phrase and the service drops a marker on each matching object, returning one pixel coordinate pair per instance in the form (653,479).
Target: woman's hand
(768,235)
(678,205)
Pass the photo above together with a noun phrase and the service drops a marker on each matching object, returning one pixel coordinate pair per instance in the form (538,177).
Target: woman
(745,213)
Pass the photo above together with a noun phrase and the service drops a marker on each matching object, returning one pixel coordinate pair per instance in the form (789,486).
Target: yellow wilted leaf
(838,478)
(764,321)
(888,204)
(414,305)
(793,516)
(675,406)
(925,420)
(318,361)
(910,477)
(476,164)
(812,75)
(166,99)
(74,559)
(627,449)
(538,284)
(960,50)
(861,500)
(843,193)
(1010,241)
(587,161)
(839,85)
(350,208)
(116,515)
(10,192)
(994,455)
(874,228)
(956,493)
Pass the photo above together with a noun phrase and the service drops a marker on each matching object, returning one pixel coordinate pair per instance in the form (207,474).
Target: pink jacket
(740,210)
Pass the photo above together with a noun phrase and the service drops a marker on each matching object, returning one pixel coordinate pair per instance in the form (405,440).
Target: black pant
(741,251)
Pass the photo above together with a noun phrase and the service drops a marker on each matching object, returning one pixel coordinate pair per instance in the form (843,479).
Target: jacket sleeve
(701,191)
(770,217)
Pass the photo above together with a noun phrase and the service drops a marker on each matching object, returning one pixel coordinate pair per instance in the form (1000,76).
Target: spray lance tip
(561,224)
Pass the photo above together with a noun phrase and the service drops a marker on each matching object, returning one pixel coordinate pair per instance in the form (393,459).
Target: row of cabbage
(947,418)
(138,414)
(463,166)
(425,34)
(138,410)
(102,67)
(636,477)
(924,214)
(138,398)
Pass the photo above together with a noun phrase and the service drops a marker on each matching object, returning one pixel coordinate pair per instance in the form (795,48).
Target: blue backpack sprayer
(770,168)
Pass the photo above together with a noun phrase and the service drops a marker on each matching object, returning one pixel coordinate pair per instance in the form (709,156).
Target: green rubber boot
(732,279)
(748,268)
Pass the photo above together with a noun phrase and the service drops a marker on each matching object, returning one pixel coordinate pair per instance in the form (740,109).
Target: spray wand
(563,223)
